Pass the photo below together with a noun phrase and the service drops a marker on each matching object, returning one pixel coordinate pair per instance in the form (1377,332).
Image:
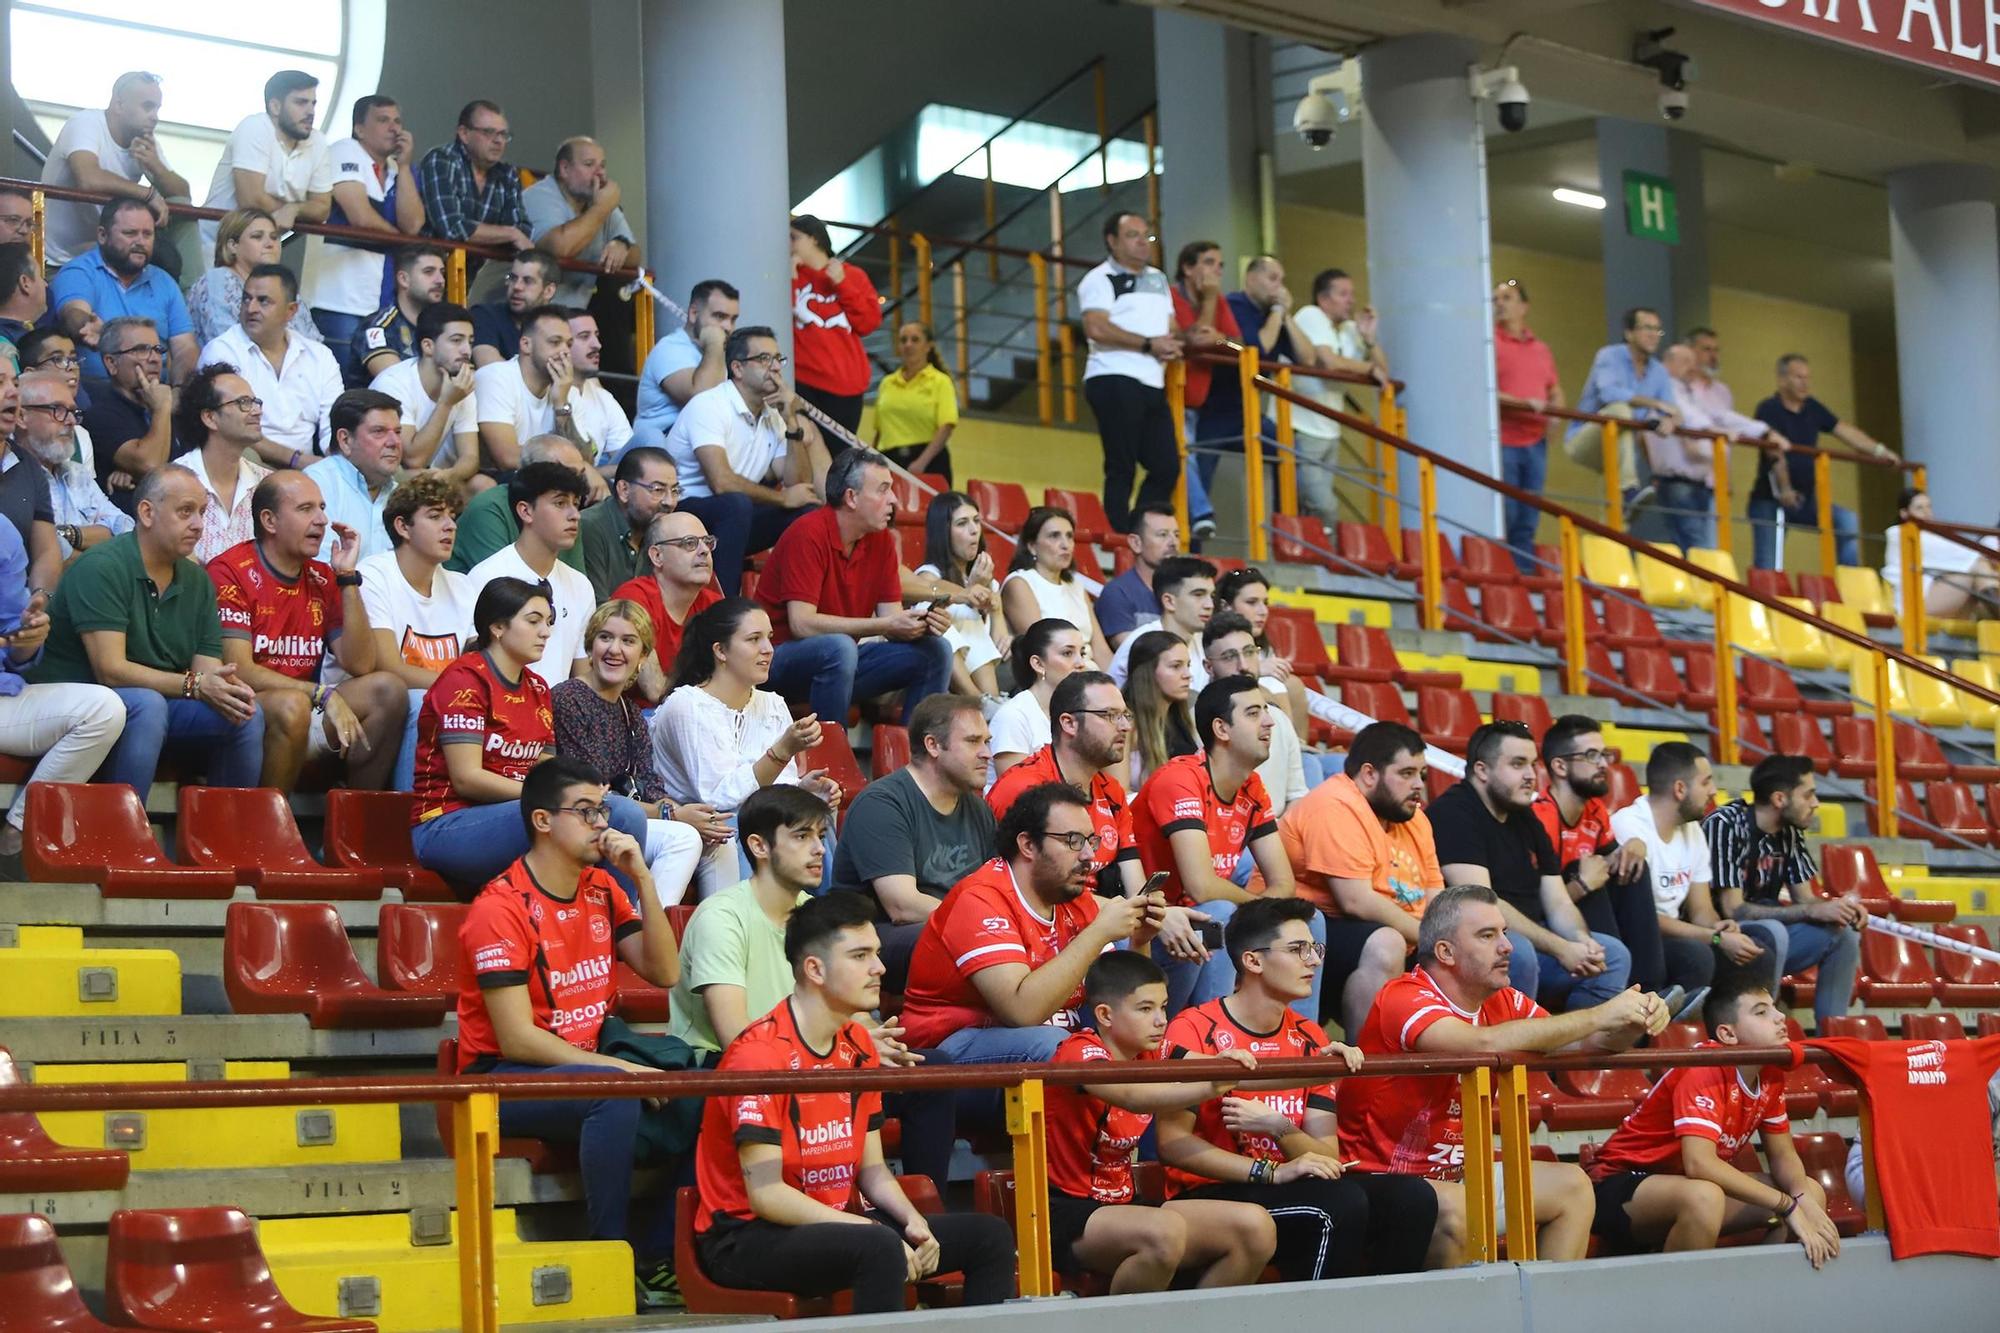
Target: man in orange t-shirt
(1361,849)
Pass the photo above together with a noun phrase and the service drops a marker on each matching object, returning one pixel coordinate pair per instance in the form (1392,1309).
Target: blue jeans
(1794,946)
(833,672)
(979,1107)
(1524,467)
(473,844)
(405,777)
(1225,433)
(337,327)
(606,1134)
(1764,537)
(1199,505)
(233,754)
(1539,975)
(1688,509)
(1191,983)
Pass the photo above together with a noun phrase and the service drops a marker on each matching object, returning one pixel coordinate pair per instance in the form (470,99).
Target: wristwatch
(351,579)
(796,433)
(70,533)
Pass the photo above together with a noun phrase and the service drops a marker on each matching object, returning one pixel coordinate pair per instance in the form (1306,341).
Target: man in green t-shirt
(489,521)
(137,615)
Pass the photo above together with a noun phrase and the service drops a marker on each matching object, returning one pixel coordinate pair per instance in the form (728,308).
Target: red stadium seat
(1851,868)
(1819,589)
(1796,733)
(1954,812)
(1436,783)
(1648,678)
(1301,539)
(1295,636)
(1989,1025)
(294,958)
(1627,1085)
(1411,565)
(1912,821)
(1854,747)
(1918,757)
(417,948)
(635,999)
(1369,647)
(1553,614)
(1559,1109)
(1894,971)
(1382,702)
(1824,1156)
(199,1268)
(1771,583)
(1361,544)
(1447,718)
(1835,1094)
(1862,1027)
(1932,1027)
(837,757)
(371,830)
(1698,668)
(33,1163)
(1627,624)
(1979,772)
(1092,523)
(1507,615)
(36,1289)
(97,833)
(889,749)
(912,501)
(1624,784)
(1001,503)
(910,545)
(543,1158)
(249,830)
(1964,980)
(1750,737)
(1531,710)
(1486,561)
(1460,614)
(1768,687)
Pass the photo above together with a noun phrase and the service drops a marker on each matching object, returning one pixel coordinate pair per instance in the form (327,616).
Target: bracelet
(188,684)
(294,462)
(319,697)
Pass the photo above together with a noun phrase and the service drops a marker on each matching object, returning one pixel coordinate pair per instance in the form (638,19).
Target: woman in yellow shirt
(916,406)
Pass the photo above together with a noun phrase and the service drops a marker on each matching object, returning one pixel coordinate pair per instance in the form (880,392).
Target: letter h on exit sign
(1650,212)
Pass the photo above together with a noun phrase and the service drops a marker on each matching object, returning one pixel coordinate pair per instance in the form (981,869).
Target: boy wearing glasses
(541,940)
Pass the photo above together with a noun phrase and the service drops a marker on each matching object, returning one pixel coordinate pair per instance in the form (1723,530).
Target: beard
(1599,785)
(1388,810)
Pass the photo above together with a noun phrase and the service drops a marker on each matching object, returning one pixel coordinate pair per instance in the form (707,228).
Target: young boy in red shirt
(1095,1220)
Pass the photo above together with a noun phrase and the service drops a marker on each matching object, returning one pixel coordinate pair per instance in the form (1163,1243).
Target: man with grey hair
(488,522)
(130,417)
(24,492)
(573,213)
(1785,481)
(114,152)
(1456,1001)
(833,581)
(83,515)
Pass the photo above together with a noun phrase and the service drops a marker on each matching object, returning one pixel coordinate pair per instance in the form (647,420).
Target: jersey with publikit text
(1210,1029)
(562,950)
(1181,796)
(471,703)
(819,1135)
(1110,812)
(288,622)
(1714,1104)
(1090,1140)
(1412,1124)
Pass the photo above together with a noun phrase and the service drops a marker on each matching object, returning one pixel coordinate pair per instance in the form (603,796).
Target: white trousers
(72,728)
(673,850)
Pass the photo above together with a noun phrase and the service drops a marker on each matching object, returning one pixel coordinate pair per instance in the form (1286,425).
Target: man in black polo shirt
(1795,416)
(130,417)
(1486,834)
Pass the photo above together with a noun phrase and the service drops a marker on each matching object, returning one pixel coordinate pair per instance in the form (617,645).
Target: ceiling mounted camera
(1502,86)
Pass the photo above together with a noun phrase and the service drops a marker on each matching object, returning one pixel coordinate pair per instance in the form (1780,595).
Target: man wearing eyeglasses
(470,192)
(118,279)
(24,293)
(679,584)
(130,417)
(612,532)
(24,489)
(1626,379)
(83,515)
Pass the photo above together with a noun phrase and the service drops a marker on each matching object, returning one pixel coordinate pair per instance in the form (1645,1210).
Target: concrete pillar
(1208,189)
(716,130)
(1944,245)
(1423,161)
(1638,270)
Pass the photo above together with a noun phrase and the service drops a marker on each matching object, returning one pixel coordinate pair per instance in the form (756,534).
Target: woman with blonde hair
(245,238)
(1157,691)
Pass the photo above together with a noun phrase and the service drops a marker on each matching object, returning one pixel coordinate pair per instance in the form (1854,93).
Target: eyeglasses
(598,816)
(655,488)
(56,411)
(1306,951)
(60,360)
(1587,756)
(1076,842)
(689,545)
(157,349)
(501,135)
(247,403)
(1117,717)
(769,360)
(1239,655)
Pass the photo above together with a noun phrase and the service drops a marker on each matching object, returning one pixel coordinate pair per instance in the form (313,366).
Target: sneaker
(1638,499)
(1203,527)
(1691,1011)
(657,1288)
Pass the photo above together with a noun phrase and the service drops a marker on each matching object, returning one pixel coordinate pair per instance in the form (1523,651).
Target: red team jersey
(1586,837)
(1712,1104)
(819,1134)
(289,623)
(1182,795)
(561,950)
(1208,1030)
(472,703)
(984,922)
(1109,810)
(1090,1140)
(1411,1125)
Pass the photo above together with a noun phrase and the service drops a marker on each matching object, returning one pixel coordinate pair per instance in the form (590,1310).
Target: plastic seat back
(1850,867)
(1750,736)
(198,1268)
(912,500)
(1768,687)
(1609,565)
(1531,710)
(1447,717)
(1413,553)
(1652,676)
(1854,745)
(1092,523)
(417,947)
(1300,539)
(1698,666)
(295,958)
(1954,811)
(1384,703)
(1915,822)
(1823,1153)
(1799,644)
(1367,647)
(1664,586)
(1295,636)
(1626,623)
(1863,590)
(1365,545)
(250,830)
(1486,561)
(1796,733)
(1001,503)
(1459,612)
(97,833)
(1771,583)
(1964,969)
(1510,611)
(1624,785)
(910,545)
(1863,1027)
(836,756)
(889,749)
(1893,960)
(32,1162)
(1932,1027)
(36,1289)
(371,829)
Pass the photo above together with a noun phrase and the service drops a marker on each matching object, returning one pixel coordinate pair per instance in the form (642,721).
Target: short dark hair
(1904,498)
(1671,762)
(1484,745)
(1785,361)
(1727,995)
(197,396)
(1067,697)
(550,266)
(1151,509)
(1115,975)
(421,491)
(780,805)
(1698,331)
(363,105)
(934,716)
(536,314)
(1111,223)
(352,408)
(708,287)
(107,216)
(1176,571)
(286,82)
(407,256)
(1030,814)
(814,925)
(1379,744)
(282,275)
(1257,923)
(1564,733)
(843,475)
(546,782)
(1190,254)
(17,261)
(1221,625)
(807,225)
(473,108)
(632,463)
(1777,773)
(1632,316)
(1324,279)
(1217,703)
(30,344)
(737,348)
(433,317)
(529,484)
(1232,583)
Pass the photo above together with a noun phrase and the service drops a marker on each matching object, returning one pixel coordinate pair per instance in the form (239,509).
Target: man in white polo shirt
(1128,313)
(275,160)
(373,190)
(749,463)
(296,377)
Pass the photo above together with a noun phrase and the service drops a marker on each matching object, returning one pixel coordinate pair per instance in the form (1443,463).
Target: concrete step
(25,904)
(214,1037)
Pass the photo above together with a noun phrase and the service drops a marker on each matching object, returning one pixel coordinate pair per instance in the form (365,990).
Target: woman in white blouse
(1045,654)
(955,553)
(1958,581)
(718,737)
(1042,581)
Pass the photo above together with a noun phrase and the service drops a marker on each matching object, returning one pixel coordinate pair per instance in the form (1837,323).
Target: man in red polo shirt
(678,585)
(1525,370)
(832,581)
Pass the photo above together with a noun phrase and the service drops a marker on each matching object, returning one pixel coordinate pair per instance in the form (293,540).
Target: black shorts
(1346,937)
(1068,1216)
(1613,1225)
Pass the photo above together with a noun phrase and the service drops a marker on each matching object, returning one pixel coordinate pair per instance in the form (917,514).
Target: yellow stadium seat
(1936,703)
(316,1260)
(1715,562)
(1609,565)
(1839,652)
(1800,645)
(1861,684)
(1988,634)
(1329,609)
(1986,675)
(1665,587)
(1957,629)
(1862,588)
(50,974)
(1751,627)
(1830,822)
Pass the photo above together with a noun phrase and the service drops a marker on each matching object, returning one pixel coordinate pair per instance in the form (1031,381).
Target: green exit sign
(1650,212)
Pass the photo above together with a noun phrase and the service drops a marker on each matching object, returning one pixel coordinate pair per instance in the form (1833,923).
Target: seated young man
(1095,1220)
(1276,1149)
(1457,1001)
(776,1170)
(1667,1177)
(540,940)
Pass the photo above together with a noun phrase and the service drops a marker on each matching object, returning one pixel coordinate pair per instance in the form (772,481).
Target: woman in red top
(834,307)
(484,723)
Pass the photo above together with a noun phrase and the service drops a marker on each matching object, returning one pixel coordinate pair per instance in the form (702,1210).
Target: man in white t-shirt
(372,190)
(1229,648)
(275,160)
(1343,339)
(1186,588)
(530,394)
(1679,785)
(419,611)
(435,390)
(602,424)
(1128,316)
(547,497)
(112,151)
